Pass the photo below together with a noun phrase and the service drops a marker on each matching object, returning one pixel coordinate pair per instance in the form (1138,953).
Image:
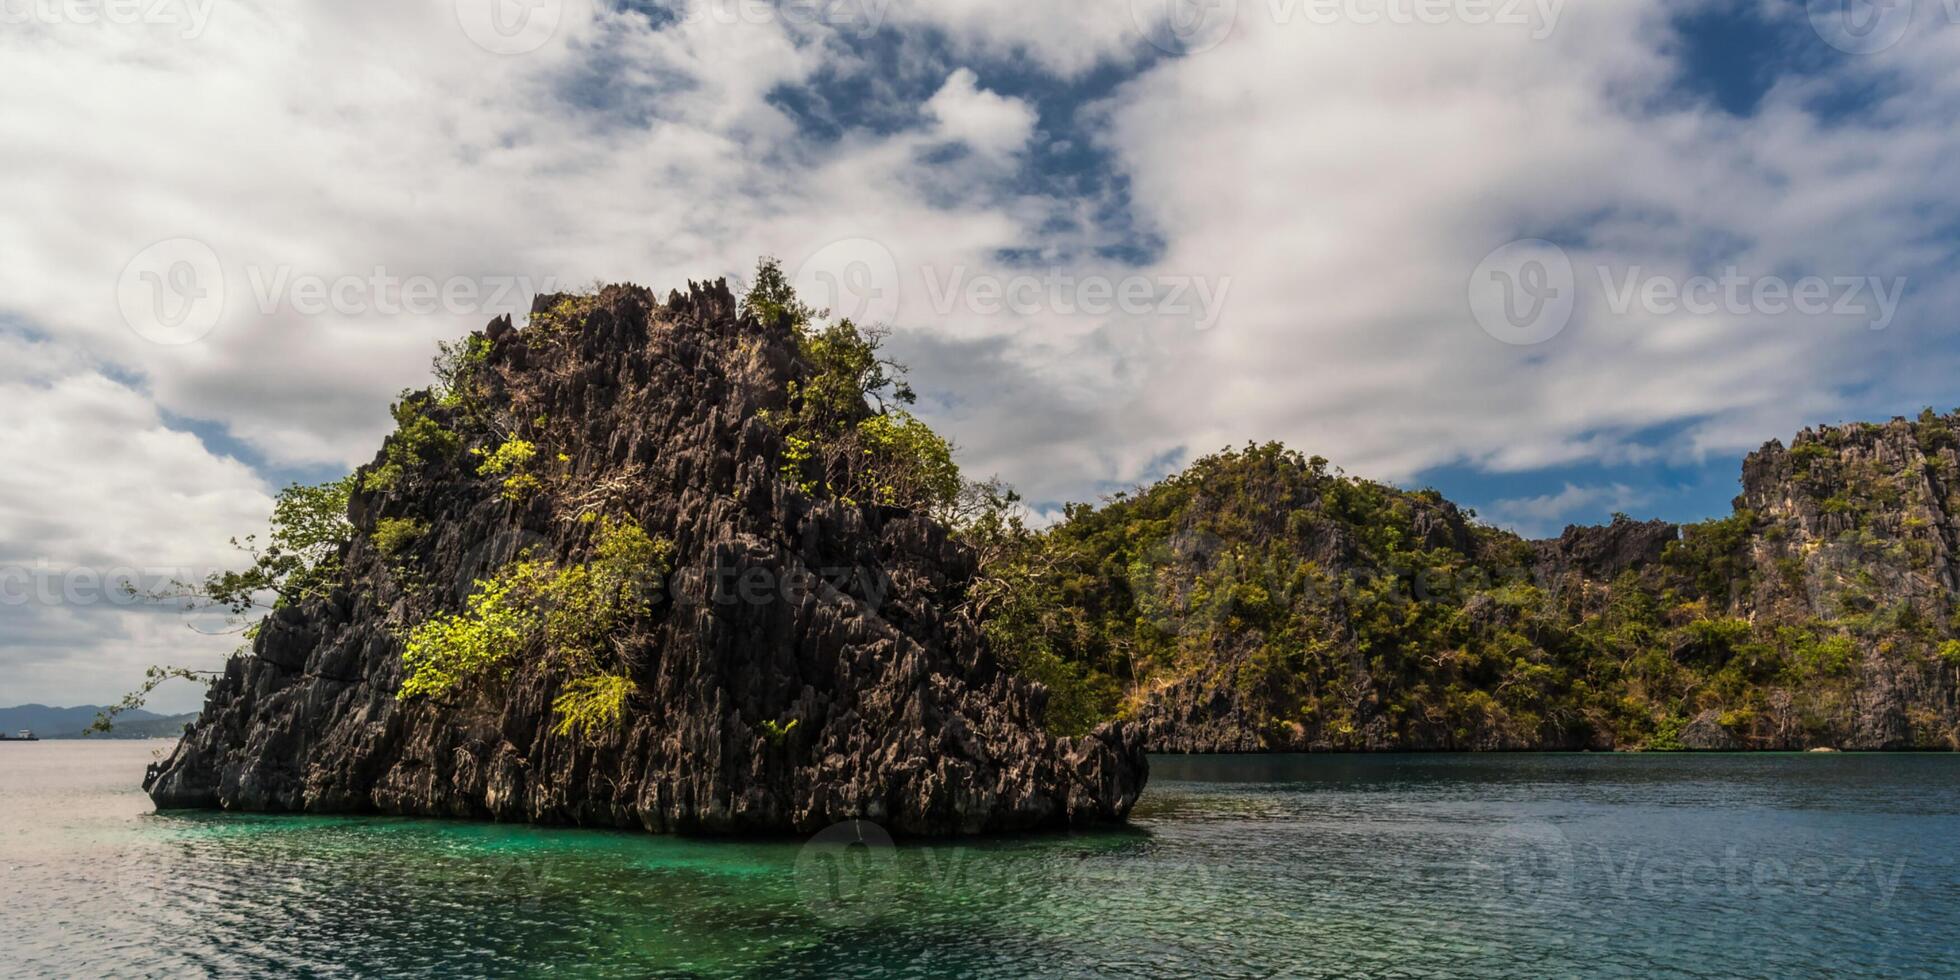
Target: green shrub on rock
(592,706)
(394,535)
(845,433)
(512,461)
(568,616)
(418,440)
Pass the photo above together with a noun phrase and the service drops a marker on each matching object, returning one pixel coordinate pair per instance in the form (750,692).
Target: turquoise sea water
(1421,865)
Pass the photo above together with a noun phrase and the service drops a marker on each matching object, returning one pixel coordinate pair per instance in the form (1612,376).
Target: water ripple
(1248,867)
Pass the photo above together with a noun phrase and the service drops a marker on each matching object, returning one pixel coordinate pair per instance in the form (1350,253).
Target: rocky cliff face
(1853,530)
(1870,503)
(1600,554)
(802,665)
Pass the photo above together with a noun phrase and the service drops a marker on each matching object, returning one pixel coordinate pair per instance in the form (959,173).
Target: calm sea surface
(1483,866)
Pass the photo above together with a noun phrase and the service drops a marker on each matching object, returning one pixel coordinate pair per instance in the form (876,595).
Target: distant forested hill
(52,722)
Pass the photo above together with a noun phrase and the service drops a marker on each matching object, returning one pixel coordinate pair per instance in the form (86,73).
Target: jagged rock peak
(844,684)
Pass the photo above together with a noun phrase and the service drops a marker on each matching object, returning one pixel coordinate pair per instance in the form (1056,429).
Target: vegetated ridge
(1259,602)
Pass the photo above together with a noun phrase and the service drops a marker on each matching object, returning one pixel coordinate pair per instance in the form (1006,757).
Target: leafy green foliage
(798,456)
(1828,656)
(568,616)
(771,299)
(1666,736)
(299,558)
(394,535)
(775,731)
(1805,456)
(907,464)
(848,371)
(1949,653)
(512,461)
(547,326)
(845,433)
(457,367)
(418,441)
(503,618)
(1018,600)
(586,604)
(592,706)
(1713,554)
(1934,434)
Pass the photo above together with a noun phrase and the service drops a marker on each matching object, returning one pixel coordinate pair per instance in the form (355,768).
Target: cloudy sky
(1555,259)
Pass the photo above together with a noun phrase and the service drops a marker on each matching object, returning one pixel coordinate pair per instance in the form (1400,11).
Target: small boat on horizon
(24,735)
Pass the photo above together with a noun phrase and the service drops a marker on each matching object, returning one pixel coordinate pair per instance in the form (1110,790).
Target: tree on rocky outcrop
(847,430)
(298,559)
